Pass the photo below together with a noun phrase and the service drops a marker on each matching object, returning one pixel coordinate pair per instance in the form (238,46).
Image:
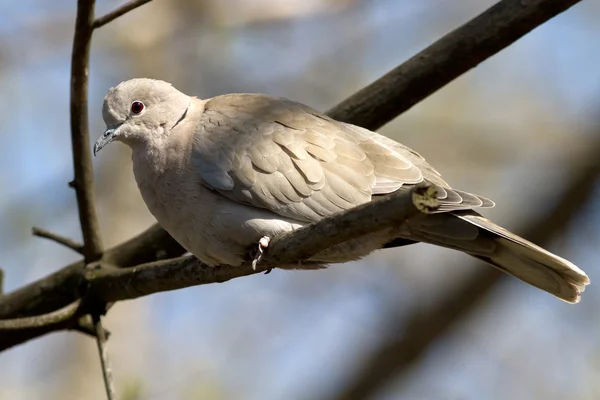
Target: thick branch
(446,59)
(151,245)
(124,9)
(70,243)
(126,283)
(86,326)
(80,138)
(108,283)
(397,353)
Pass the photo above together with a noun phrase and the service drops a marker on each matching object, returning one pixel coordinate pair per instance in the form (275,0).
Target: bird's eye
(137,107)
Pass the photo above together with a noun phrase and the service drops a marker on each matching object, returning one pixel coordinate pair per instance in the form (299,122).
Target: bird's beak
(107,137)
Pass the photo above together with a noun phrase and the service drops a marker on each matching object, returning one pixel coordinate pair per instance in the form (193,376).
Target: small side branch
(39,321)
(104,361)
(124,9)
(70,243)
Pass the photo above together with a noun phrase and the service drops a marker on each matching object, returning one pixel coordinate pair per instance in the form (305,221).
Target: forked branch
(70,243)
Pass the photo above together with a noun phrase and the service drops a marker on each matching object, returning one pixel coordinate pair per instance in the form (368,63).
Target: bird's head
(141,111)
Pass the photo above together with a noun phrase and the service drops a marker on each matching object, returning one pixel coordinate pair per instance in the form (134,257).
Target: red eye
(137,107)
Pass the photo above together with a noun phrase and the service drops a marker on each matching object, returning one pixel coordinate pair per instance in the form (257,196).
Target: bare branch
(371,108)
(80,138)
(106,283)
(396,354)
(113,284)
(62,287)
(124,9)
(104,361)
(53,318)
(446,59)
(70,243)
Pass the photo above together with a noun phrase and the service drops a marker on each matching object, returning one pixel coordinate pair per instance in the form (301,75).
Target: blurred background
(513,129)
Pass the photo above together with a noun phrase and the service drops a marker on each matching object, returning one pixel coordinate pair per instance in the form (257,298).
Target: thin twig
(113,284)
(104,361)
(83,182)
(53,318)
(70,243)
(125,8)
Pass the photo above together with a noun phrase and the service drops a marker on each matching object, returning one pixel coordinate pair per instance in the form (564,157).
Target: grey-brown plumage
(219,174)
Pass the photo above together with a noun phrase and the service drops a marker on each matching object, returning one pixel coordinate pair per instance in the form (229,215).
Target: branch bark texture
(446,59)
(124,9)
(80,137)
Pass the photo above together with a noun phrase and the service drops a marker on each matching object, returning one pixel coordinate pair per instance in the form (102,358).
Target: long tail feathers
(508,252)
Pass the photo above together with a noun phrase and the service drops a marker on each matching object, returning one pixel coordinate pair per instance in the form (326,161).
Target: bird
(223,174)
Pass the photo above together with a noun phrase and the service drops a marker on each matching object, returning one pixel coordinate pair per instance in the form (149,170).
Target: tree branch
(66,285)
(114,284)
(396,354)
(371,107)
(80,138)
(104,361)
(446,59)
(106,283)
(57,317)
(124,9)
(70,243)
(367,218)
(86,326)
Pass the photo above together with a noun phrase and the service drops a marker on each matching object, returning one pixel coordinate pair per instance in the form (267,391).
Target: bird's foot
(263,243)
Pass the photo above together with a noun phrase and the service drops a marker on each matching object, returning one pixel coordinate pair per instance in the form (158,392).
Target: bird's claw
(263,243)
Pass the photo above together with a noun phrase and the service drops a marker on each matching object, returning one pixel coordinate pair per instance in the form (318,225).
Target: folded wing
(286,157)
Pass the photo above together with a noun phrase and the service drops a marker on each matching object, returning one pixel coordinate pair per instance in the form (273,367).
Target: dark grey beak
(106,138)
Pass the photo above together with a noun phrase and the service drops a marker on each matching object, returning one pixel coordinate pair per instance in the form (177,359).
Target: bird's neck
(168,153)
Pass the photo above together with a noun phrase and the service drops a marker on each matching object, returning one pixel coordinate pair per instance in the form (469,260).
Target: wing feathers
(310,169)
(277,154)
(286,157)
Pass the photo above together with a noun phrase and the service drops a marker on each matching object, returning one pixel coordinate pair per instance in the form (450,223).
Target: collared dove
(222,173)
